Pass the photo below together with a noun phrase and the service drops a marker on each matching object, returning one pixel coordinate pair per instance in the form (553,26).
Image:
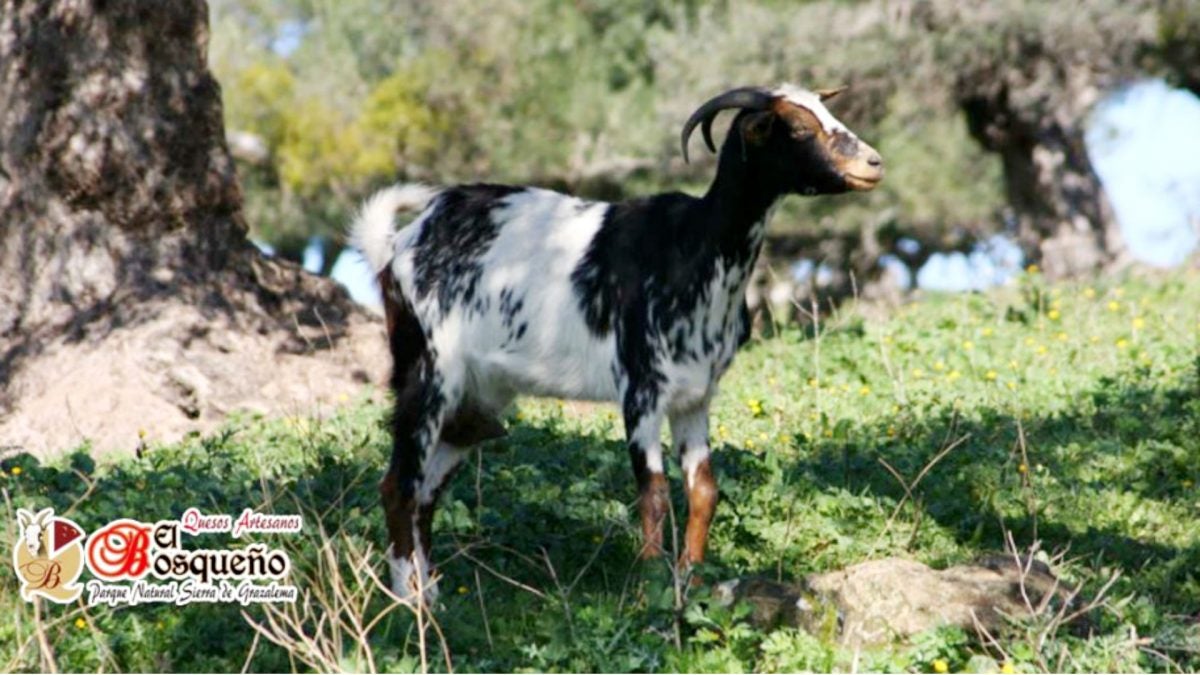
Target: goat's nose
(874,159)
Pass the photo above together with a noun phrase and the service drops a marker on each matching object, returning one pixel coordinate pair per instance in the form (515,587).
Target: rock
(879,601)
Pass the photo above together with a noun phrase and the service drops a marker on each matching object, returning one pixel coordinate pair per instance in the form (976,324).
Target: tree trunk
(1032,111)
(118,197)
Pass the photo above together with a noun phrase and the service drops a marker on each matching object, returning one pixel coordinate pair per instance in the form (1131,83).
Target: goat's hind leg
(419,466)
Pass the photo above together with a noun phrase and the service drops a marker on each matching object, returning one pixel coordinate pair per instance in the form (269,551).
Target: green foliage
(1079,415)
(559,94)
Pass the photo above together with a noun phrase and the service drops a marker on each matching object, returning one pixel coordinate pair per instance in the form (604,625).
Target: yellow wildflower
(967,345)
(1053,315)
(1062,337)
(1029,342)
(1012,386)
(990,375)
(1007,666)
(1021,468)
(80,623)
(1041,350)
(1113,305)
(864,390)
(1089,293)
(1138,323)
(917,372)
(940,665)
(16,471)
(939,366)
(953,375)
(986,332)
(749,443)
(1032,269)
(1122,343)
(463,590)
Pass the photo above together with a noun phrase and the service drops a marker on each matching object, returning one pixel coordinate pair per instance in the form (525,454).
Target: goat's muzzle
(865,170)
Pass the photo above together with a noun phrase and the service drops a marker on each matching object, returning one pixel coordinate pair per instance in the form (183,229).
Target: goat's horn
(752,98)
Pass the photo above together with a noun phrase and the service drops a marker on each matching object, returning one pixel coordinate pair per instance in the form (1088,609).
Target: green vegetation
(1078,410)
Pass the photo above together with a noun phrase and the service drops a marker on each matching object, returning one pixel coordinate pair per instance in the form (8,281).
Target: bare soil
(184,370)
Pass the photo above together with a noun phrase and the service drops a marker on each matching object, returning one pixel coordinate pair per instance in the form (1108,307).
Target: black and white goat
(492,291)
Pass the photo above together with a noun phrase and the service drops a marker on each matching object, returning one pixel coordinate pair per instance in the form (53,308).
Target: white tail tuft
(375,226)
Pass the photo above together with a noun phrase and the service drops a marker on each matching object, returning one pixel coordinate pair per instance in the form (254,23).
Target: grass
(1075,411)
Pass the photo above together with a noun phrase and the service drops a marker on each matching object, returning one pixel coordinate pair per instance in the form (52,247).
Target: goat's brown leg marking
(653,494)
(399,511)
(702,503)
(690,433)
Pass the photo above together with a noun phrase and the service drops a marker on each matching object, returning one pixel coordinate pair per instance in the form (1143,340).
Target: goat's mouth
(863,183)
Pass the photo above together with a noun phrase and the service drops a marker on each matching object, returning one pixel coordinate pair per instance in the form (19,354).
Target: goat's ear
(24,517)
(826,94)
(43,516)
(756,127)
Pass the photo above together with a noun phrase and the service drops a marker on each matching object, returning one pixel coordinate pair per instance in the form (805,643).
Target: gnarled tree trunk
(1031,109)
(119,205)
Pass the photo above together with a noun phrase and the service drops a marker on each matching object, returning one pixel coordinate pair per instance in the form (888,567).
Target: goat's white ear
(826,94)
(24,517)
(43,515)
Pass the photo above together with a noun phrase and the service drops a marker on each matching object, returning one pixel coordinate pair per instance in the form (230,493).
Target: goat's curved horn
(751,98)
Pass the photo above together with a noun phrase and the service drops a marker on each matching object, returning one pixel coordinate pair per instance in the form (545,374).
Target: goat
(493,291)
(33,527)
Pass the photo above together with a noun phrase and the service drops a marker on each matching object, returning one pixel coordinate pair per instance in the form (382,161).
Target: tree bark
(1034,119)
(116,184)
(1063,219)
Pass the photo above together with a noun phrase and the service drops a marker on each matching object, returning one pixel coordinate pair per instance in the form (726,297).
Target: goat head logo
(48,556)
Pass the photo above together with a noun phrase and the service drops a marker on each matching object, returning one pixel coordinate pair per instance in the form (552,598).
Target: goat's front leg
(689,431)
(643,426)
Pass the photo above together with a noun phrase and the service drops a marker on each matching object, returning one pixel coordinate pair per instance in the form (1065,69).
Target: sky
(1144,141)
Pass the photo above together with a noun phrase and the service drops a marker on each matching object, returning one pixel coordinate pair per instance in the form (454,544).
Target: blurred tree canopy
(977,106)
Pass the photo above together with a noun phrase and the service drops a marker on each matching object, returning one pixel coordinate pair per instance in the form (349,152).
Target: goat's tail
(374,228)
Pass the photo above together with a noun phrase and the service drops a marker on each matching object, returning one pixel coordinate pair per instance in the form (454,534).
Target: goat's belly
(547,362)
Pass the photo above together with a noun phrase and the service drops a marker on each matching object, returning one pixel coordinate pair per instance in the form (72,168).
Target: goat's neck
(738,202)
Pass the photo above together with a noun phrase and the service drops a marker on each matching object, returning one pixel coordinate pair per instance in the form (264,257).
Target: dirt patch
(181,371)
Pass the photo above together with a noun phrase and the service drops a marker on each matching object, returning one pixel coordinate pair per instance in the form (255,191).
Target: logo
(136,563)
(48,556)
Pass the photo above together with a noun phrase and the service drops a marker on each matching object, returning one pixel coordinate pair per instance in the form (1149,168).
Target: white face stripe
(812,102)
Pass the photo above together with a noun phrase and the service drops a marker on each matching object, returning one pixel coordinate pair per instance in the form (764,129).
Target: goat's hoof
(411,584)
